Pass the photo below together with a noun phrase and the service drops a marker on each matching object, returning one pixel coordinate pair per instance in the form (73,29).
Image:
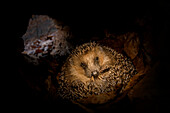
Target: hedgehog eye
(83,65)
(96,60)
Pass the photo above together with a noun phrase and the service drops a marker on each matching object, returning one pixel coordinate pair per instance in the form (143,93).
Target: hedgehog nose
(95,74)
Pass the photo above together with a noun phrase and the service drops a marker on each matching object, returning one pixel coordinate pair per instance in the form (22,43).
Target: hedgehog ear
(71,61)
(101,49)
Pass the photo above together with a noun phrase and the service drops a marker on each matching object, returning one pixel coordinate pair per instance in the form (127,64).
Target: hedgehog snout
(95,74)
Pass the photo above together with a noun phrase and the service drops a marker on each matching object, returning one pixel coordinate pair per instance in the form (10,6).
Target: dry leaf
(131,45)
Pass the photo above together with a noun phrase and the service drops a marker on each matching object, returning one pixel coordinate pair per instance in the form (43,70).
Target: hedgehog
(94,74)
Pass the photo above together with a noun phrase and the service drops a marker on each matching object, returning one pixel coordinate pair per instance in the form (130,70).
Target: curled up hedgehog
(94,74)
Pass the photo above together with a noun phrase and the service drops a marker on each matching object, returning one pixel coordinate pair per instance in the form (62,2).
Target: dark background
(88,19)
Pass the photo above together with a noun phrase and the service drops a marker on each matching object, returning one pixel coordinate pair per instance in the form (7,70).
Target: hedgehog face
(92,71)
(91,64)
